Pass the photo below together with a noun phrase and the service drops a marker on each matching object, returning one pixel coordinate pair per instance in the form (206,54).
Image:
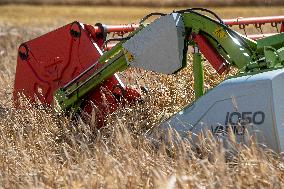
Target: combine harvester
(74,68)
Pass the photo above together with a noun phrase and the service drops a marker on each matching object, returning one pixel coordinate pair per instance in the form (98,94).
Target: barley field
(151,3)
(41,150)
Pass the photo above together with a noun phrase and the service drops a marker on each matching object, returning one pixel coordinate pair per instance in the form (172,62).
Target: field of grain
(151,3)
(41,150)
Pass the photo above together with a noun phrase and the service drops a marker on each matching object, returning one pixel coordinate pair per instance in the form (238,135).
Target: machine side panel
(246,103)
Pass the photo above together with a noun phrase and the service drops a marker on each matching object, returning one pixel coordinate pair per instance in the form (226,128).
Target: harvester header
(75,68)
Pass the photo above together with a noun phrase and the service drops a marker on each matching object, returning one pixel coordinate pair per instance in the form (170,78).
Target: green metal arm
(237,49)
(247,55)
(198,73)
(112,61)
(71,97)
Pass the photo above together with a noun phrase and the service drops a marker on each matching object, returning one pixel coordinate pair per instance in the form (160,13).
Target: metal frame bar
(231,22)
(198,73)
(254,20)
(126,28)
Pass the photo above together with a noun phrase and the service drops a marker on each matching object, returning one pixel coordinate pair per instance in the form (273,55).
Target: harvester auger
(76,64)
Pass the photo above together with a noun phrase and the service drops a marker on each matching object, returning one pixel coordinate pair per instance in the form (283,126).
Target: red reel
(50,61)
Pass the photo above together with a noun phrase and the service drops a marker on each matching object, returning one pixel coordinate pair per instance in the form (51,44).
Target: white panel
(258,97)
(159,46)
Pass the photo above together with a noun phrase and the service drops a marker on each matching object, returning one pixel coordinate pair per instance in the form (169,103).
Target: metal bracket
(103,34)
